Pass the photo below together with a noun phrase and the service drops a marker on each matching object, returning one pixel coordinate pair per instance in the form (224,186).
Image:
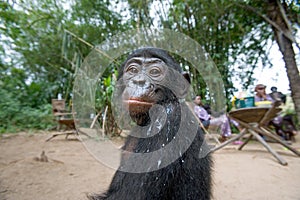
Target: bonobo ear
(177,83)
(187,77)
(186,83)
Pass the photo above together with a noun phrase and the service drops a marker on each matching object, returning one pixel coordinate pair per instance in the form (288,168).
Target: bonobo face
(141,77)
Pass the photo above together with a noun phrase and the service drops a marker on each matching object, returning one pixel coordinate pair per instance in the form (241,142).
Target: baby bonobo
(164,156)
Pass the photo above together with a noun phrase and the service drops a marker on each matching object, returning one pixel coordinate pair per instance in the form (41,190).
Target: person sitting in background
(207,120)
(277,95)
(201,112)
(261,95)
(283,125)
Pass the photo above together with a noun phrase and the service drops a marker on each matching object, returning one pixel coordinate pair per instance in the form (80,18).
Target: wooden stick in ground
(95,119)
(259,138)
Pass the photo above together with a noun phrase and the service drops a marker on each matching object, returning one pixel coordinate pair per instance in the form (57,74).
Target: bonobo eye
(155,72)
(132,69)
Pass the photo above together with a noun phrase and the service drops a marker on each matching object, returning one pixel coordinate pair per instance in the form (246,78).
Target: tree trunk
(276,13)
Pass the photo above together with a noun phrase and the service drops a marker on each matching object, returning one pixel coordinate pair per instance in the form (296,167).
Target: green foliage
(22,106)
(42,44)
(15,116)
(224,31)
(35,69)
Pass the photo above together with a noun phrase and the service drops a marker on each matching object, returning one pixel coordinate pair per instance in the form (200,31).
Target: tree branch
(287,22)
(80,39)
(89,44)
(288,34)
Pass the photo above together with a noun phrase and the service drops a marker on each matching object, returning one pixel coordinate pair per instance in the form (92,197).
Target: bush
(17,118)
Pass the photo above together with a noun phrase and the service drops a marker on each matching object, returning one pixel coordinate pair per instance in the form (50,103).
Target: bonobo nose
(141,81)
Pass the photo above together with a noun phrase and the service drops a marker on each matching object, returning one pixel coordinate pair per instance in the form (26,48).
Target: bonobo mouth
(139,105)
(137,101)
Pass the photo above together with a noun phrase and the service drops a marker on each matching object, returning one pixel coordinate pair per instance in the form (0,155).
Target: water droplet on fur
(158,124)
(149,131)
(158,164)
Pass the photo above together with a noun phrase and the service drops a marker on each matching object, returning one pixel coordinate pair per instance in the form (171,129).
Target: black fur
(187,177)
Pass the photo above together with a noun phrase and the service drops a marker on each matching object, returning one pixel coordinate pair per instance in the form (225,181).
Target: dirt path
(72,172)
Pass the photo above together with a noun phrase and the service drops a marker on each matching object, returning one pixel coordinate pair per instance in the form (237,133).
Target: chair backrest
(58,106)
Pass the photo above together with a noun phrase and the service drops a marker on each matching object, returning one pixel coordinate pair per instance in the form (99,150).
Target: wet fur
(188,177)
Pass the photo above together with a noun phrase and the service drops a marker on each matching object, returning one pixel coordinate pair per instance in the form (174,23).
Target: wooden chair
(209,135)
(255,120)
(65,120)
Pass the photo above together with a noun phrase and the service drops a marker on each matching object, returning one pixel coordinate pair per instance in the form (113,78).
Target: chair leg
(54,135)
(279,140)
(83,133)
(67,133)
(246,142)
(264,143)
(238,136)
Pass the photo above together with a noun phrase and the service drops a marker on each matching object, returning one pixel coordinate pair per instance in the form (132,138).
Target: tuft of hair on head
(153,52)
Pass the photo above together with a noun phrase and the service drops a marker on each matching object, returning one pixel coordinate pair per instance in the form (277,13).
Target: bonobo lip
(139,101)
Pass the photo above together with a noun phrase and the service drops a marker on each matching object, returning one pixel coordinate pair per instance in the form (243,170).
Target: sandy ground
(72,172)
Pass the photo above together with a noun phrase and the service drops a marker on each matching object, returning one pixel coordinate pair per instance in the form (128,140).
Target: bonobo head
(150,76)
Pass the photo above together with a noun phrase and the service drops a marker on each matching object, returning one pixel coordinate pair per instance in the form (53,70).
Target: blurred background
(44,42)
